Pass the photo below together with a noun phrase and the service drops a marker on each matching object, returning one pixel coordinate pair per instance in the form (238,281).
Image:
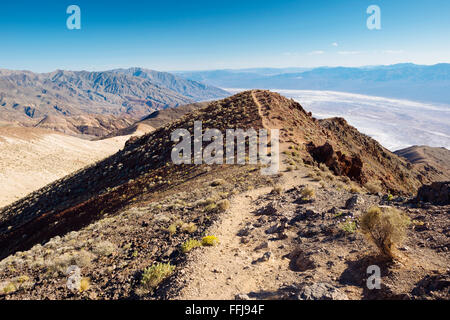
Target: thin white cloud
(349,52)
(335,44)
(317,52)
(392,51)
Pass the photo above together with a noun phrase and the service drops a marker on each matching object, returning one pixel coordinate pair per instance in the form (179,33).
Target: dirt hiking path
(231,268)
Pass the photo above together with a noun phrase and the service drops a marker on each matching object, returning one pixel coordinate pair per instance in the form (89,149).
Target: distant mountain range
(404,81)
(33,99)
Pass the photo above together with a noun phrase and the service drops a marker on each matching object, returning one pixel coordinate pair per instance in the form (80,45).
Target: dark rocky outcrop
(436,193)
(338,162)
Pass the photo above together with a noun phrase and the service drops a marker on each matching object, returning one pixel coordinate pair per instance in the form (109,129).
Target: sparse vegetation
(189,227)
(349,226)
(85,283)
(172,229)
(10,287)
(223,205)
(277,189)
(385,227)
(190,244)
(308,193)
(372,188)
(155,274)
(211,207)
(104,248)
(210,241)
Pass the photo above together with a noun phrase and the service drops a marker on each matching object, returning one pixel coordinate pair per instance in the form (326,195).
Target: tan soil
(30,158)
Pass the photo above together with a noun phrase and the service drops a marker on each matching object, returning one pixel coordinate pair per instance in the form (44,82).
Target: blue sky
(199,35)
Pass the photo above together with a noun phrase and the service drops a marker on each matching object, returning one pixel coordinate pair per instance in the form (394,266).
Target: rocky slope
(159,118)
(136,207)
(433,163)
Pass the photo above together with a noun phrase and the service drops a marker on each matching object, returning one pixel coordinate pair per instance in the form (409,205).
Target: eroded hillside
(136,208)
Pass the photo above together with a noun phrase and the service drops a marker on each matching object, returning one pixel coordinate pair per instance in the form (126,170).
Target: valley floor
(30,158)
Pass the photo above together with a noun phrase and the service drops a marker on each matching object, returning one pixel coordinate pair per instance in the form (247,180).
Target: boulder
(437,193)
(320,291)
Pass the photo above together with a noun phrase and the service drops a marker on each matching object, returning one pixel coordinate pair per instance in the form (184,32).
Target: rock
(273,229)
(266,257)
(264,245)
(245,240)
(354,201)
(241,297)
(337,162)
(300,261)
(437,193)
(245,231)
(320,291)
(161,218)
(270,209)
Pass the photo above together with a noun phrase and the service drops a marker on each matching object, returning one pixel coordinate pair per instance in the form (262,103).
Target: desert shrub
(355,189)
(85,283)
(211,207)
(189,227)
(9,288)
(308,193)
(59,264)
(189,245)
(104,248)
(155,274)
(385,227)
(210,241)
(277,189)
(223,205)
(84,258)
(349,226)
(372,188)
(172,229)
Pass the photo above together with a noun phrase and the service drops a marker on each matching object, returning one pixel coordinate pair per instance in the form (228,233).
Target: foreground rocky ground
(273,244)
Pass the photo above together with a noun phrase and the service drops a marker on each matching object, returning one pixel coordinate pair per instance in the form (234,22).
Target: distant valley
(93,104)
(400,81)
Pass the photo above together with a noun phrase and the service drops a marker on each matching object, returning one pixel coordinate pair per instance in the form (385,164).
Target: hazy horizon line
(228,69)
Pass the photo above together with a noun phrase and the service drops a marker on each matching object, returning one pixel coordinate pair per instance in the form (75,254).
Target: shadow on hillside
(356,274)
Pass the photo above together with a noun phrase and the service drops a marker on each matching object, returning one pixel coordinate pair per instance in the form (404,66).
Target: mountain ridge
(27,98)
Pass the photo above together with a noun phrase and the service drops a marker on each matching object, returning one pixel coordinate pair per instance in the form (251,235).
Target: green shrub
(189,245)
(349,226)
(385,227)
(85,284)
(172,229)
(155,274)
(211,207)
(210,241)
